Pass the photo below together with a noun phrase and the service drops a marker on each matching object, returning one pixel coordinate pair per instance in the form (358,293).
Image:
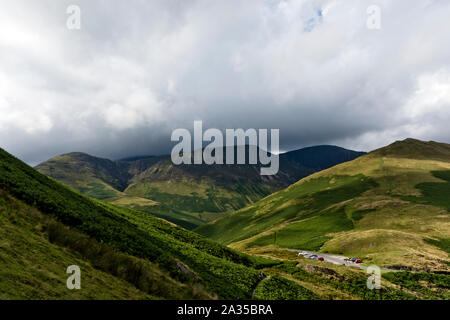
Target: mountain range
(188,195)
(389,207)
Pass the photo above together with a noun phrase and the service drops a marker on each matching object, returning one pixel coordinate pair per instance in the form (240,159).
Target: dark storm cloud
(139,69)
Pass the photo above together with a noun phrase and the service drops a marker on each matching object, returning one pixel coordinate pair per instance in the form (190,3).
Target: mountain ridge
(188,195)
(126,254)
(416,149)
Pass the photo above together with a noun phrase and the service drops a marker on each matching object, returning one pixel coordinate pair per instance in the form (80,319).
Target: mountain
(188,195)
(320,157)
(390,206)
(127,254)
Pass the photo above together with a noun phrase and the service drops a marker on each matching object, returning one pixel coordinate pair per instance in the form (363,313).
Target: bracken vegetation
(354,284)
(427,285)
(278,288)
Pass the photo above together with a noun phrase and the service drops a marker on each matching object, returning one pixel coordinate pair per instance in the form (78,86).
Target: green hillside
(108,235)
(187,195)
(390,206)
(35,268)
(129,254)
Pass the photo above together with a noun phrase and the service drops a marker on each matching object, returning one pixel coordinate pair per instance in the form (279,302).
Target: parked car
(314,256)
(358,261)
(353,259)
(303,253)
(320,258)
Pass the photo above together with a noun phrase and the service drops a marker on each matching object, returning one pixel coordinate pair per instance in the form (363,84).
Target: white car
(303,253)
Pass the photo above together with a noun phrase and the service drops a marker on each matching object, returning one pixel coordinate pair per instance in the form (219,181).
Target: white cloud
(30,121)
(431,97)
(141,69)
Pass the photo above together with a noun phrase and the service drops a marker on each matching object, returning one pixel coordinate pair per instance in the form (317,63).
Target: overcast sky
(138,69)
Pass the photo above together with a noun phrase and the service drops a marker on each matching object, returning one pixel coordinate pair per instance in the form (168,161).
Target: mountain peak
(322,156)
(75,155)
(415,149)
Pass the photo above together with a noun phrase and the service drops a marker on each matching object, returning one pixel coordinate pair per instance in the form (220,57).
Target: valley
(389,207)
(188,195)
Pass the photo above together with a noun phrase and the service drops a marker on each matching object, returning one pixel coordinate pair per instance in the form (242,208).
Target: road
(335,259)
(253,293)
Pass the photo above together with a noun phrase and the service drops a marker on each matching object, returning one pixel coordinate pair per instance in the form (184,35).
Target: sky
(323,72)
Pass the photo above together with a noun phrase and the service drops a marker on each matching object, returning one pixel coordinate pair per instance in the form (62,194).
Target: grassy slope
(380,206)
(34,268)
(102,177)
(305,203)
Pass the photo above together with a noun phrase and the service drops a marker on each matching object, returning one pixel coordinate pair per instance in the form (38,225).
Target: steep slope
(32,267)
(188,195)
(390,206)
(35,251)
